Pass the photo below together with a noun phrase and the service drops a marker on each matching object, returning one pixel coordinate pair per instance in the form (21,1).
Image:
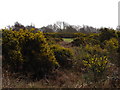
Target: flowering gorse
(98,65)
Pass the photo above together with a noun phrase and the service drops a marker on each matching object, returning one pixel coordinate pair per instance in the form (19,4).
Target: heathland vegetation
(60,55)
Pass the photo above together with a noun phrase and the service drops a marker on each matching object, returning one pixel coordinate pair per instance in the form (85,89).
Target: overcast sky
(96,13)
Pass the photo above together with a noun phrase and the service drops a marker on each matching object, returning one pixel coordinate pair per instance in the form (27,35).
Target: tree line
(60,27)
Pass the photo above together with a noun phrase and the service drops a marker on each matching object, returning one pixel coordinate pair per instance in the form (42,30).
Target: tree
(47,29)
(87,29)
(107,33)
(70,29)
(60,25)
(118,28)
(17,26)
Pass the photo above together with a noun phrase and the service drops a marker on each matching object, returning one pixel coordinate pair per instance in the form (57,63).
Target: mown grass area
(68,39)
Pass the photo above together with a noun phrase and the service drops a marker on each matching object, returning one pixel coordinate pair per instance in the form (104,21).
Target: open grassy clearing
(68,39)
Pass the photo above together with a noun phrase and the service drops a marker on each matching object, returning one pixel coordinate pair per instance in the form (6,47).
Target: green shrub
(94,36)
(96,49)
(27,52)
(92,41)
(79,54)
(65,35)
(112,44)
(98,65)
(118,33)
(77,35)
(64,56)
(107,34)
(51,39)
(79,41)
(55,40)
(118,61)
(84,41)
(11,50)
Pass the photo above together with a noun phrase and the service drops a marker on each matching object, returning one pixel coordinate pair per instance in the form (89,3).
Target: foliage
(79,41)
(96,49)
(118,62)
(94,36)
(27,52)
(107,34)
(11,50)
(53,40)
(84,41)
(112,47)
(63,55)
(79,54)
(65,35)
(112,44)
(98,65)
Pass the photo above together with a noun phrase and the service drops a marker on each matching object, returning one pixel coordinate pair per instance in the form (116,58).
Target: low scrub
(84,40)
(97,65)
(27,52)
(64,56)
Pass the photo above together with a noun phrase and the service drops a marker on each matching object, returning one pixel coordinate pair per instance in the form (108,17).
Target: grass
(60,79)
(68,39)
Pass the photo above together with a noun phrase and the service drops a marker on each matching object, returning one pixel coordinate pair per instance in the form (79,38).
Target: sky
(96,13)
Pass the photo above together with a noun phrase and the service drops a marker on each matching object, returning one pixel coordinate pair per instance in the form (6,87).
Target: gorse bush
(11,50)
(79,41)
(112,47)
(112,44)
(98,65)
(84,41)
(107,34)
(96,49)
(53,40)
(63,55)
(27,52)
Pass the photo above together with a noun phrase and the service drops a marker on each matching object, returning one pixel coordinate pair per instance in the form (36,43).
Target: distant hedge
(64,35)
